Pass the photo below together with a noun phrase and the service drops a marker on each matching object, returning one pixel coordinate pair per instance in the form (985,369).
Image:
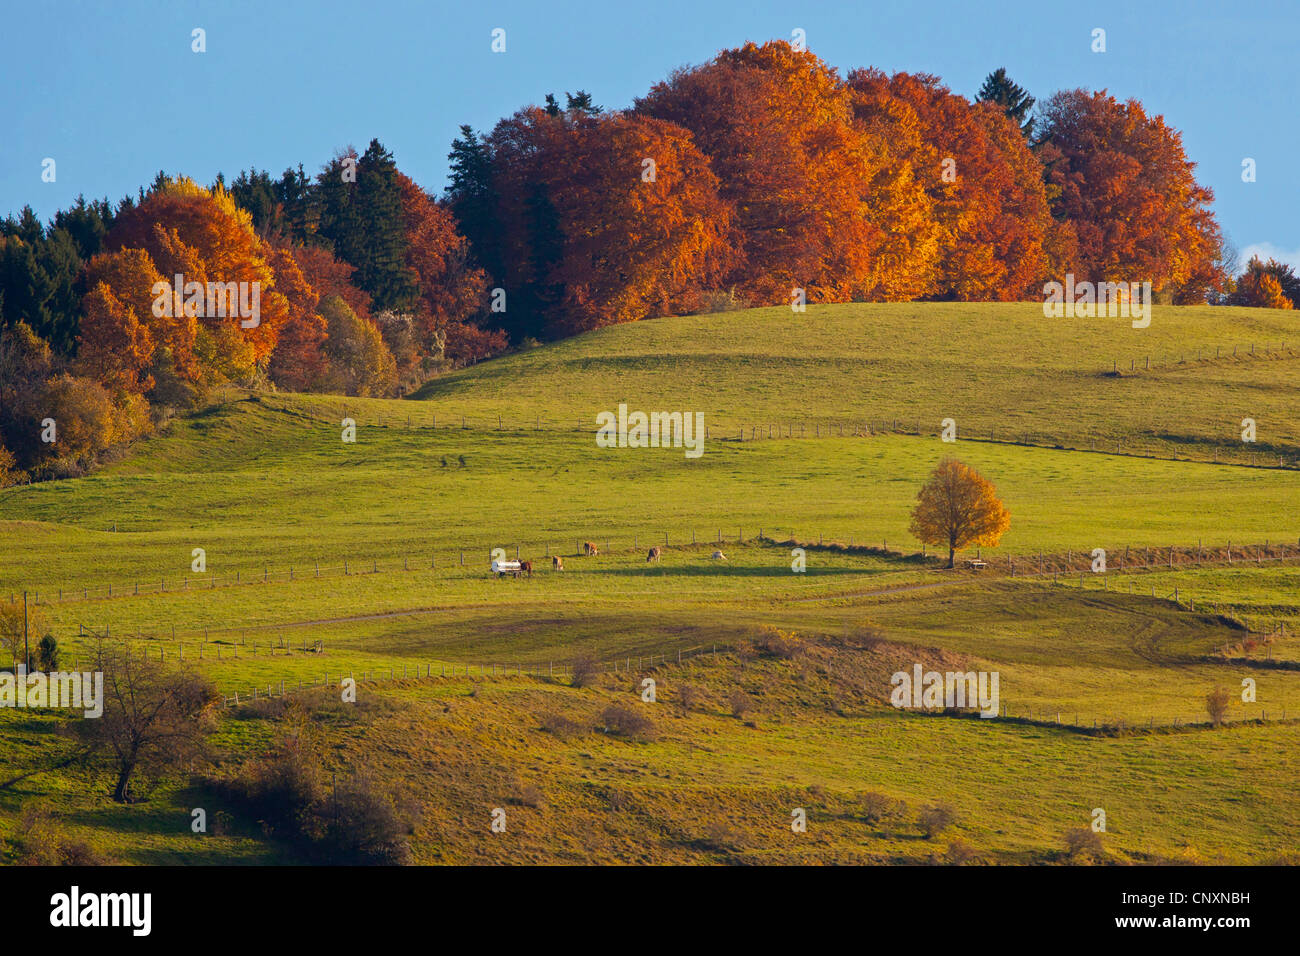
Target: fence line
(370,565)
(836,428)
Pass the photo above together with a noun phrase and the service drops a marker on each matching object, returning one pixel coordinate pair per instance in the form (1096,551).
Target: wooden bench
(975,564)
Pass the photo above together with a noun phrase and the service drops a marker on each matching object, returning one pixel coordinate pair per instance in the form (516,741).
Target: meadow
(389,539)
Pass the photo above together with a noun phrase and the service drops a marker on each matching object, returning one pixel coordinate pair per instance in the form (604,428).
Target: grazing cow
(557,563)
(719,556)
(526,567)
(653,555)
(589,549)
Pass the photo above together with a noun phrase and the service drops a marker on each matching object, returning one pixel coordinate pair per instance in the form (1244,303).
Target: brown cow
(526,567)
(653,555)
(589,549)
(557,563)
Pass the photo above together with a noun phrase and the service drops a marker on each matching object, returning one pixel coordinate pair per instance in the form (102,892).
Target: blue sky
(113,92)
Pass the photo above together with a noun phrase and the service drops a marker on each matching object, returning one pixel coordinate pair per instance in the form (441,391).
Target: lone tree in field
(959,508)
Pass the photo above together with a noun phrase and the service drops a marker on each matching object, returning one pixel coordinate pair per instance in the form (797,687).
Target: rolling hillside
(378,549)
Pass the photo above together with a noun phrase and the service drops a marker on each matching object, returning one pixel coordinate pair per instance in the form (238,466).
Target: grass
(264,484)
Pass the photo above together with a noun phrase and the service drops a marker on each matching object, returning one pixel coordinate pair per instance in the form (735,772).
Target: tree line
(731,183)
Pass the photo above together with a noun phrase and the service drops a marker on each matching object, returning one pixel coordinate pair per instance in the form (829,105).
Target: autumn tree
(957,507)
(26,363)
(132,335)
(777,126)
(1271,285)
(115,347)
(985,188)
(451,291)
(643,228)
(359,361)
(202,234)
(298,362)
(1123,182)
(899,204)
(10,473)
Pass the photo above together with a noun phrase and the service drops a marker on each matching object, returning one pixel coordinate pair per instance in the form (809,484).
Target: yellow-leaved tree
(959,507)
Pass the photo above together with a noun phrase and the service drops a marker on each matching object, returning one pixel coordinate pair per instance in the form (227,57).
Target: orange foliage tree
(298,362)
(987,198)
(958,507)
(777,126)
(184,226)
(644,229)
(1127,189)
(451,291)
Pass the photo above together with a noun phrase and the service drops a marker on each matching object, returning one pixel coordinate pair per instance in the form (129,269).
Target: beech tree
(958,507)
(1128,190)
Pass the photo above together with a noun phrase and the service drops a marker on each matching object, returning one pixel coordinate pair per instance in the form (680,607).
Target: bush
(627,722)
(45,843)
(877,807)
(958,853)
(688,698)
(866,637)
(351,821)
(583,671)
(1216,704)
(721,300)
(47,654)
(1084,843)
(560,726)
(774,642)
(935,819)
(529,795)
(740,703)
(364,825)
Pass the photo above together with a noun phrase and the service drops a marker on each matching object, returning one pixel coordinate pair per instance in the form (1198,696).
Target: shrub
(935,819)
(364,825)
(877,807)
(958,853)
(529,795)
(560,726)
(627,722)
(1084,843)
(740,703)
(688,698)
(583,671)
(47,654)
(45,843)
(1216,704)
(866,637)
(721,300)
(774,642)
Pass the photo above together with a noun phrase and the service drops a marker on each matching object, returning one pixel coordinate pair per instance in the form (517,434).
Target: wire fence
(1174,557)
(1234,453)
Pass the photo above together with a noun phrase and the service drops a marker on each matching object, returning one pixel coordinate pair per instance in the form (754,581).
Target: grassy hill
(360,546)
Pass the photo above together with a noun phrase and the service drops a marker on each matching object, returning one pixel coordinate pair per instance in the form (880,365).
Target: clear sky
(113,93)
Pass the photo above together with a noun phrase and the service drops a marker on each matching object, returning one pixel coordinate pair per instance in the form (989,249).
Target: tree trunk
(952,557)
(122,793)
